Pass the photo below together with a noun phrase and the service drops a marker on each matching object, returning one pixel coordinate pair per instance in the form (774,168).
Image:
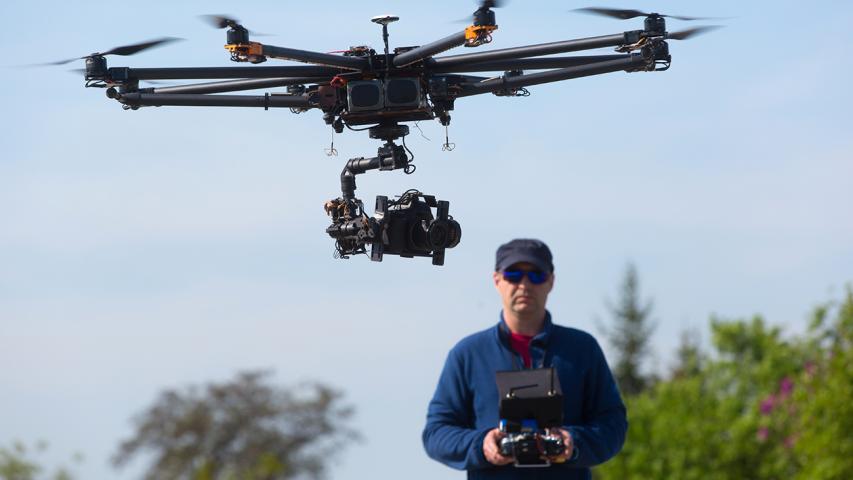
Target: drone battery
(365,95)
(403,92)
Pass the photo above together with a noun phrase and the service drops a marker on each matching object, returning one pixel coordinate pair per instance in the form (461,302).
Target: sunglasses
(515,276)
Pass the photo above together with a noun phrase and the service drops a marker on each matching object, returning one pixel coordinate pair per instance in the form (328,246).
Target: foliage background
(759,406)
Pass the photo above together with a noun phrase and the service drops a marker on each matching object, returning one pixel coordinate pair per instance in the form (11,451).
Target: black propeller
(221,21)
(691,32)
(123,50)
(492,3)
(628,14)
(482,13)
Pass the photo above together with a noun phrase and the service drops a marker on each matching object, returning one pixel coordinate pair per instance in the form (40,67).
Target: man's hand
(567,442)
(491,448)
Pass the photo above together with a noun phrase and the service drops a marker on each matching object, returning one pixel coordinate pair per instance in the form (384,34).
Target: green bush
(759,407)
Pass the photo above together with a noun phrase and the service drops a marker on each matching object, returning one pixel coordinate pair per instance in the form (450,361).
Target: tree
(630,334)
(688,357)
(243,429)
(16,463)
(708,425)
(822,402)
(761,406)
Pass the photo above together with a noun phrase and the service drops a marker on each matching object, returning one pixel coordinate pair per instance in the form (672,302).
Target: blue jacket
(465,405)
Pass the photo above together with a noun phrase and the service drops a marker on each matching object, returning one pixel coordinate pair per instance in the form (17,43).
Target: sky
(159,248)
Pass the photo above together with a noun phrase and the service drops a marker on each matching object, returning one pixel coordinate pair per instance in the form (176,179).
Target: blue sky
(167,246)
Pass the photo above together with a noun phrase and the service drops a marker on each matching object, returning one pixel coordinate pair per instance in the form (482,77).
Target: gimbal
(404,227)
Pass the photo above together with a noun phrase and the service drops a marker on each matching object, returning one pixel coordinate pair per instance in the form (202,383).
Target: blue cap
(524,250)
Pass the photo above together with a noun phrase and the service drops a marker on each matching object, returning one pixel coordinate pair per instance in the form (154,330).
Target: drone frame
(445,78)
(432,83)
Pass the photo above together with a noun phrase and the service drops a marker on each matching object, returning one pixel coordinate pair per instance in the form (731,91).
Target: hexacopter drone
(381,91)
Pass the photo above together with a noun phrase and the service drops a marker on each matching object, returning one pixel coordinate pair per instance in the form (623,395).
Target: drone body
(361,86)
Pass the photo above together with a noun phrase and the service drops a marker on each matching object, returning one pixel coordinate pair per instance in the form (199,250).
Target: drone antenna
(384,20)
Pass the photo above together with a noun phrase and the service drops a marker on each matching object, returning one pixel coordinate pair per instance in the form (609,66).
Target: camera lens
(437,234)
(444,234)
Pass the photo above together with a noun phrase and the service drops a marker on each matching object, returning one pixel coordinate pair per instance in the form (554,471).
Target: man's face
(523,297)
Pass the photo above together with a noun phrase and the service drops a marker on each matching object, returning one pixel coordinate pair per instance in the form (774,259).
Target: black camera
(531,407)
(404,227)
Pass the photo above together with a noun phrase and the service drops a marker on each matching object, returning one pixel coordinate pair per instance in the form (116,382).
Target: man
(463,414)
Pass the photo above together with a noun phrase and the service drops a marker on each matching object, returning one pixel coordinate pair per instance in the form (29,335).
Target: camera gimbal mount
(404,227)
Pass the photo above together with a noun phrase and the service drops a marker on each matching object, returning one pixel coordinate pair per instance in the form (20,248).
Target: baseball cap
(524,250)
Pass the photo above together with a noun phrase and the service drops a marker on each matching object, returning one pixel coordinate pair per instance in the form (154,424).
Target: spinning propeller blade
(484,5)
(58,62)
(123,50)
(221,21)
(691,32)
(624,14)
(138,47)
(493,3)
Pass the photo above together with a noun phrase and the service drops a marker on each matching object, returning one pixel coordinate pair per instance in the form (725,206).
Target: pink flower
(786,386)
(762,434)
(767,405)
(790,442)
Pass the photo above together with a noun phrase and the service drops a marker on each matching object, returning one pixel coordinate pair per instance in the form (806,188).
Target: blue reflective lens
(514,276)
(537,278)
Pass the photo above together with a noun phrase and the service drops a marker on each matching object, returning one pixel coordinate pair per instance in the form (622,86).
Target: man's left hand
(567,442)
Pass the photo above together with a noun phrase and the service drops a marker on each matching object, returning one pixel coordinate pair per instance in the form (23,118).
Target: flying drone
(363,89)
